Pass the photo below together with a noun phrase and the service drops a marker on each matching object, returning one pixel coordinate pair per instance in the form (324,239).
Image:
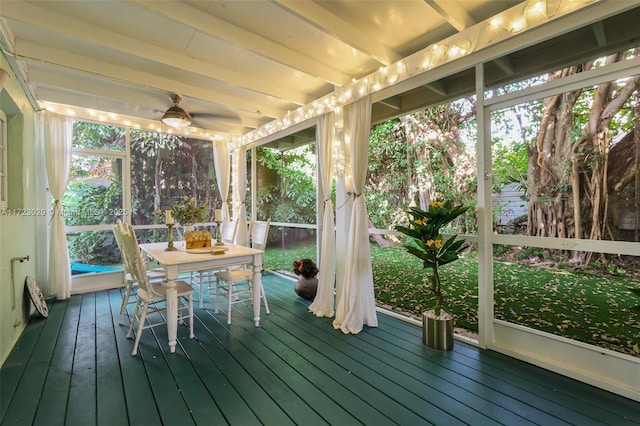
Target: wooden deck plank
(26,393)
(328,398)
(523,407)
(466,377)
(255,362)
(82,389)
(347,392)
(16,362)
(153,351)
(141,404)
(231,405)
(257,399)
(298,396)
(52,408)
(112,409)
(377,390)
(584,398)
(528,388)
(293,369)
(429,389)
(190,377)
(510,409)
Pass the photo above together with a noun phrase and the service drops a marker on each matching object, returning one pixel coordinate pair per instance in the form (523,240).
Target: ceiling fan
(176,116)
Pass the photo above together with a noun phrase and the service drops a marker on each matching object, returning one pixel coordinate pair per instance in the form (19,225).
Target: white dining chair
(205,279)
(131,286)
(150,297)
(236,285)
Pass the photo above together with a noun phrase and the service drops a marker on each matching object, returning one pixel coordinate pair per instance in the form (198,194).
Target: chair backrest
(131,256)
(229,229)
(259,232)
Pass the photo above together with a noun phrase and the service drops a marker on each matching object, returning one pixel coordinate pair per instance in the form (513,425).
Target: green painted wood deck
(76,368)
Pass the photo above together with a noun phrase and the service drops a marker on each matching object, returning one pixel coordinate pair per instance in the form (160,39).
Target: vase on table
(306,287)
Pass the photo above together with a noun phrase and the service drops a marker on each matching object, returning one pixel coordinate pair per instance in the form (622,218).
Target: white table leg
(172,306)
(257,287)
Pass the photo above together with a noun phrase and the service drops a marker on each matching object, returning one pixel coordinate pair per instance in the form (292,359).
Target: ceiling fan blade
(211,116)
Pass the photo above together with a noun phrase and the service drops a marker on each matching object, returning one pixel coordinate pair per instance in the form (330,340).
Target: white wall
(18,233)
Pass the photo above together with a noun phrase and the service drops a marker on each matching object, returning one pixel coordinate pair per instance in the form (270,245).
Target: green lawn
(590,308)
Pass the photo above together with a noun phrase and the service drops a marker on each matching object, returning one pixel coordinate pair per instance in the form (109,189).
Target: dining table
(182,260)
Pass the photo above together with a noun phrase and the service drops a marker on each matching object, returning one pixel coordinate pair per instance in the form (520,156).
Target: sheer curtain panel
(322,305)
(222,166)
(239,195)
(58,131)
(356,304)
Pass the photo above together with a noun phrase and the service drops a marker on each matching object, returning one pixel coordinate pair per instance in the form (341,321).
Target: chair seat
(152,274)
(182,288)
(234,275)
(131,287)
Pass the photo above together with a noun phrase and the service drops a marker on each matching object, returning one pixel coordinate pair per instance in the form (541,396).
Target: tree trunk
(569,175)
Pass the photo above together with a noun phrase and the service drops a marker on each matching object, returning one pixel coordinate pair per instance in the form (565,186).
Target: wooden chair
(237,284)
(131,285)
(150,297)
(205,280)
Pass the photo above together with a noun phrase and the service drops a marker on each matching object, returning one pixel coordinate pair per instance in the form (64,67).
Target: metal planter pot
(437,331)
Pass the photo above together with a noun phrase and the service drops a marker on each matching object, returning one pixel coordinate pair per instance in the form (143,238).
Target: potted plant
(187,214)
(307,285)
(428,244)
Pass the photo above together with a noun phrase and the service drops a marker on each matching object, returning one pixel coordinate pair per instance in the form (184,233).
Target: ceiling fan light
(176,117)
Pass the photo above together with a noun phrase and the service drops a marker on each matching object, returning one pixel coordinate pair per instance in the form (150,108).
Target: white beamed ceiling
(238,64)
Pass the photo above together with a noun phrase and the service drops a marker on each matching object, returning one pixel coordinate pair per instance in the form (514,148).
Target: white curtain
(240,161)
(322,305)
(57,132)
(356,304)
(222,166)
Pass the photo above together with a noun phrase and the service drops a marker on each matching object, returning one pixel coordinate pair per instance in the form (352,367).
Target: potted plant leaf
(188,213)
(428,244)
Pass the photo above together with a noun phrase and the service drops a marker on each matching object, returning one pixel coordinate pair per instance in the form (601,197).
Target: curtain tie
(56,206)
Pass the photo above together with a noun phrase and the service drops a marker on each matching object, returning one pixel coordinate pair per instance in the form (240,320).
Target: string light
(498,28)
(126,121)
(479,36)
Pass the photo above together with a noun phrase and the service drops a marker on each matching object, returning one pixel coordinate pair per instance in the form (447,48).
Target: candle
(218,215)
(169,217)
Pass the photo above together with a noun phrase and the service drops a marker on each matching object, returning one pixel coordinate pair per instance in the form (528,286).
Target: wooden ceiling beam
(453,13)
(599,33)
(322,19)
(247,40)
(63,60)
(87,32)
(505,65)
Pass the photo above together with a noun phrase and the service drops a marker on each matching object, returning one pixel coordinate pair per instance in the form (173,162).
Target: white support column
(485,251)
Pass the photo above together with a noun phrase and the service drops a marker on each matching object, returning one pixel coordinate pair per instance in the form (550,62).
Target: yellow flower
(436,204)
(435,243)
